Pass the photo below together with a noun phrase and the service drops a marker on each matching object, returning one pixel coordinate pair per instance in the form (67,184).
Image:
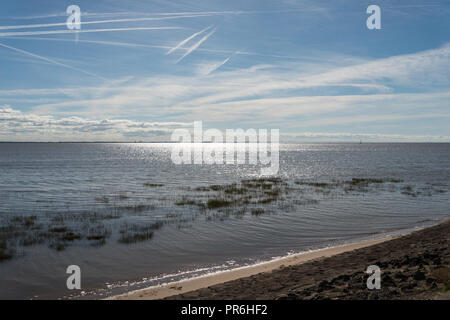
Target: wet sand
(413,266)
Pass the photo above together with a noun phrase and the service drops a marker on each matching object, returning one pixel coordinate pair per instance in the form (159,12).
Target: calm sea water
(140,185)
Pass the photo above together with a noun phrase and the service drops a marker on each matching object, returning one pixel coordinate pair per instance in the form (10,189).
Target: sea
(130,218)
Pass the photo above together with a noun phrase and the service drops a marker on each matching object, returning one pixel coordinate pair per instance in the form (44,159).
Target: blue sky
(309,68)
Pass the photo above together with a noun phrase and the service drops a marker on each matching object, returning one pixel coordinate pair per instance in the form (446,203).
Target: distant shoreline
(264,280)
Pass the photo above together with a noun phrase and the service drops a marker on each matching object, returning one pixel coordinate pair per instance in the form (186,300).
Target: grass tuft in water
(153,185)
(137,233)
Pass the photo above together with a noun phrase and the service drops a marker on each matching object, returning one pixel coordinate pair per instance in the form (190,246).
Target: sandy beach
(413,266)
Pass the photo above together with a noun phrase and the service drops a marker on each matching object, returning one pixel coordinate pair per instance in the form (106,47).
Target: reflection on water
(129,217)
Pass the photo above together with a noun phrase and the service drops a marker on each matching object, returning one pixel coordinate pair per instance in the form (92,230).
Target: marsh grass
(57,237)
(138,208)
(97,235)
(58,229)
(304,202)
(234,189)
(6,253)
(364,181)
(315,184)
(185,201)
(93,216)
(257,211)
(52,230)
(275,191)
(58,245)
(409,190)
(70,236)
(153,185)
(256,196)
(236,196)
(103,199)
(25,221)
(123,197)
(218,203)
(136,233)
(135,237)
(267,200)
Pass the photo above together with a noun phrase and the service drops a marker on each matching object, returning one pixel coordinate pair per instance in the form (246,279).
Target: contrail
(112,43)
(51,61)
(187,40)
(46,25)
(105,14)
(210,13)
(30,33)
(196,45)
(219,65)
(139,45)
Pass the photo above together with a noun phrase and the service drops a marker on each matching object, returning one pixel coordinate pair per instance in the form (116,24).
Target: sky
(137,70)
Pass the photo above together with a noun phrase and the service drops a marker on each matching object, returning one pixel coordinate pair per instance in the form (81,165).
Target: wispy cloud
(247,89)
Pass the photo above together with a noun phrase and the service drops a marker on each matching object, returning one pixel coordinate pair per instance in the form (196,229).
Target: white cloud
(18,126)
(359,137)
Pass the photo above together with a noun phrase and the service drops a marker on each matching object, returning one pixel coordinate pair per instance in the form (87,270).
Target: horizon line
(290,142)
